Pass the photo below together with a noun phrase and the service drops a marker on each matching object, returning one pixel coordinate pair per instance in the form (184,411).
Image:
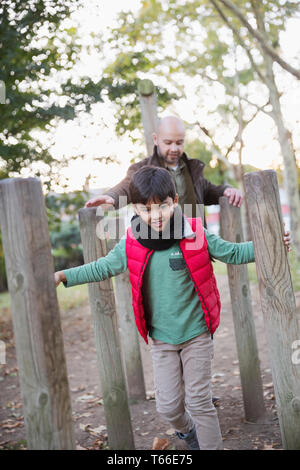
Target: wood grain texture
(35,313)
(277,298)
(128,331)
(103,308)
(231,230)
(149,114)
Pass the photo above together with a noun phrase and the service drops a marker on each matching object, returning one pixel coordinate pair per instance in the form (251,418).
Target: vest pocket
(177,264)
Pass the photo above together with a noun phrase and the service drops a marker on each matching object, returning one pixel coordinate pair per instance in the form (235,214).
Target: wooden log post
(277,299)
(147,97)
(128,332)
(35,314)
(103,308)
(231,230)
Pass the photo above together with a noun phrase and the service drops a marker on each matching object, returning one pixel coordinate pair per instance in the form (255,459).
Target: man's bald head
(170,124)
(169,139)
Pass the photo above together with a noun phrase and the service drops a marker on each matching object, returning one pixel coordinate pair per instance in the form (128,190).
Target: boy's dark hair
(151,183)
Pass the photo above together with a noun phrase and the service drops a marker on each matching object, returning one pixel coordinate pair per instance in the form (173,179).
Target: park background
(71,113)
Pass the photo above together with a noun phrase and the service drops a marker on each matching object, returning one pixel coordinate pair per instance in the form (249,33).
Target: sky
(93,136)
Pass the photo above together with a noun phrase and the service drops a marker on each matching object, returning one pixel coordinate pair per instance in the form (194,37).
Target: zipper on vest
(141,275)
(146,259)
(198,292)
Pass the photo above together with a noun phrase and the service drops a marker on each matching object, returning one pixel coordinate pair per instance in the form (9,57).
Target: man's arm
(112,196)
(212,193)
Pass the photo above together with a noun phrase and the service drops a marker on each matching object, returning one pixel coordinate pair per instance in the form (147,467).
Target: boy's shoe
(190,438)
(216,401)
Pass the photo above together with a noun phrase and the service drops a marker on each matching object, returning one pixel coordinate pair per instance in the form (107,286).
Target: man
(191,186)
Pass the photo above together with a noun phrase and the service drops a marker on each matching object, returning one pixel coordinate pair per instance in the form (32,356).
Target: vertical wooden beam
(103,308)
(231,230)
(147,96)
(38,336)
(128,332)
(277,299)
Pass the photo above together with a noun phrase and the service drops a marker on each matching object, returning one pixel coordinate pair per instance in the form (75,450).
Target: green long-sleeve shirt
(173,309)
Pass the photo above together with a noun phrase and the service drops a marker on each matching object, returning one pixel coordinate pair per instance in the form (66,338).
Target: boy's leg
(169,388)
(196,356)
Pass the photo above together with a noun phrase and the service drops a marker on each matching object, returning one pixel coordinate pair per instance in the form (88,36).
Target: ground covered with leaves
(149,429)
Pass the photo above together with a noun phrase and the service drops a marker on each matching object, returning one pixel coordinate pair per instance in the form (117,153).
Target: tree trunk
(284,136)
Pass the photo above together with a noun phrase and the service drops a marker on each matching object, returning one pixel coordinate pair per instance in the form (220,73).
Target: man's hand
(59,276)
(98,201)
(235,196)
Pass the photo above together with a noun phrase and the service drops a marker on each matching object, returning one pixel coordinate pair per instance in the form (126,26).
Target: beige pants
(182,375)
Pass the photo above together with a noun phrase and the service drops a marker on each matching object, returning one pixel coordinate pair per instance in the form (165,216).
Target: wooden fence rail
(131,353)
(35,314)
(277,299)
(103,308)
(231,230)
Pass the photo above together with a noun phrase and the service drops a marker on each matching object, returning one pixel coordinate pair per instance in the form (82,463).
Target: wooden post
(277,299)
(38,336)
(231,230)
(128,331)
(147,96)
(103,308)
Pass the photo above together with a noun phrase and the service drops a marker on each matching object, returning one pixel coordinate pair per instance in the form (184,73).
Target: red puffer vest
(198,262)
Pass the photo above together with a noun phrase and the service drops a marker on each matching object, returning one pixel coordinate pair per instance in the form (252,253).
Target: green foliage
(36,44)
(58,205)
(197,149)
(65,234)
(202,45)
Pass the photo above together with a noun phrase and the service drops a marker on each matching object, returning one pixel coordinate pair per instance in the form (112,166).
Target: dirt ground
(87,406)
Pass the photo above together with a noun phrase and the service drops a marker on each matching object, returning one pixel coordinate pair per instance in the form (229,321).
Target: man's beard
(165,158)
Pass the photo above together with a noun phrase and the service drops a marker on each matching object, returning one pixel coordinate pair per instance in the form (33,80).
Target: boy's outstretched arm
(114,263)
(234,253)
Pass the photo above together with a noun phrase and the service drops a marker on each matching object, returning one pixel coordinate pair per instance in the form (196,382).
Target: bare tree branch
(239,39)
(231,92)
(259,37)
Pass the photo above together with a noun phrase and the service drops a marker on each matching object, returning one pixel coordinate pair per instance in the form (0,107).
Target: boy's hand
(287,240)
(59,276)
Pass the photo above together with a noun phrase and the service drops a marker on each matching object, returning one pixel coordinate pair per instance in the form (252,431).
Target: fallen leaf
(78,389)
(160,444)
(218,374)
(84,427)
(85,415)
(85,398)
(98,430)
(78,447)
(97,444)
(269,385)
(150,395)
(170,432)
(268,447)
(11,426)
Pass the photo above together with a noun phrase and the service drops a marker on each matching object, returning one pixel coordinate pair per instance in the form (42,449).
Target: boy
(175,299)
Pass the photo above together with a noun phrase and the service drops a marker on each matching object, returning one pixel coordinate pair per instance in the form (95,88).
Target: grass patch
(221,268)
(71,297)
(68,298)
